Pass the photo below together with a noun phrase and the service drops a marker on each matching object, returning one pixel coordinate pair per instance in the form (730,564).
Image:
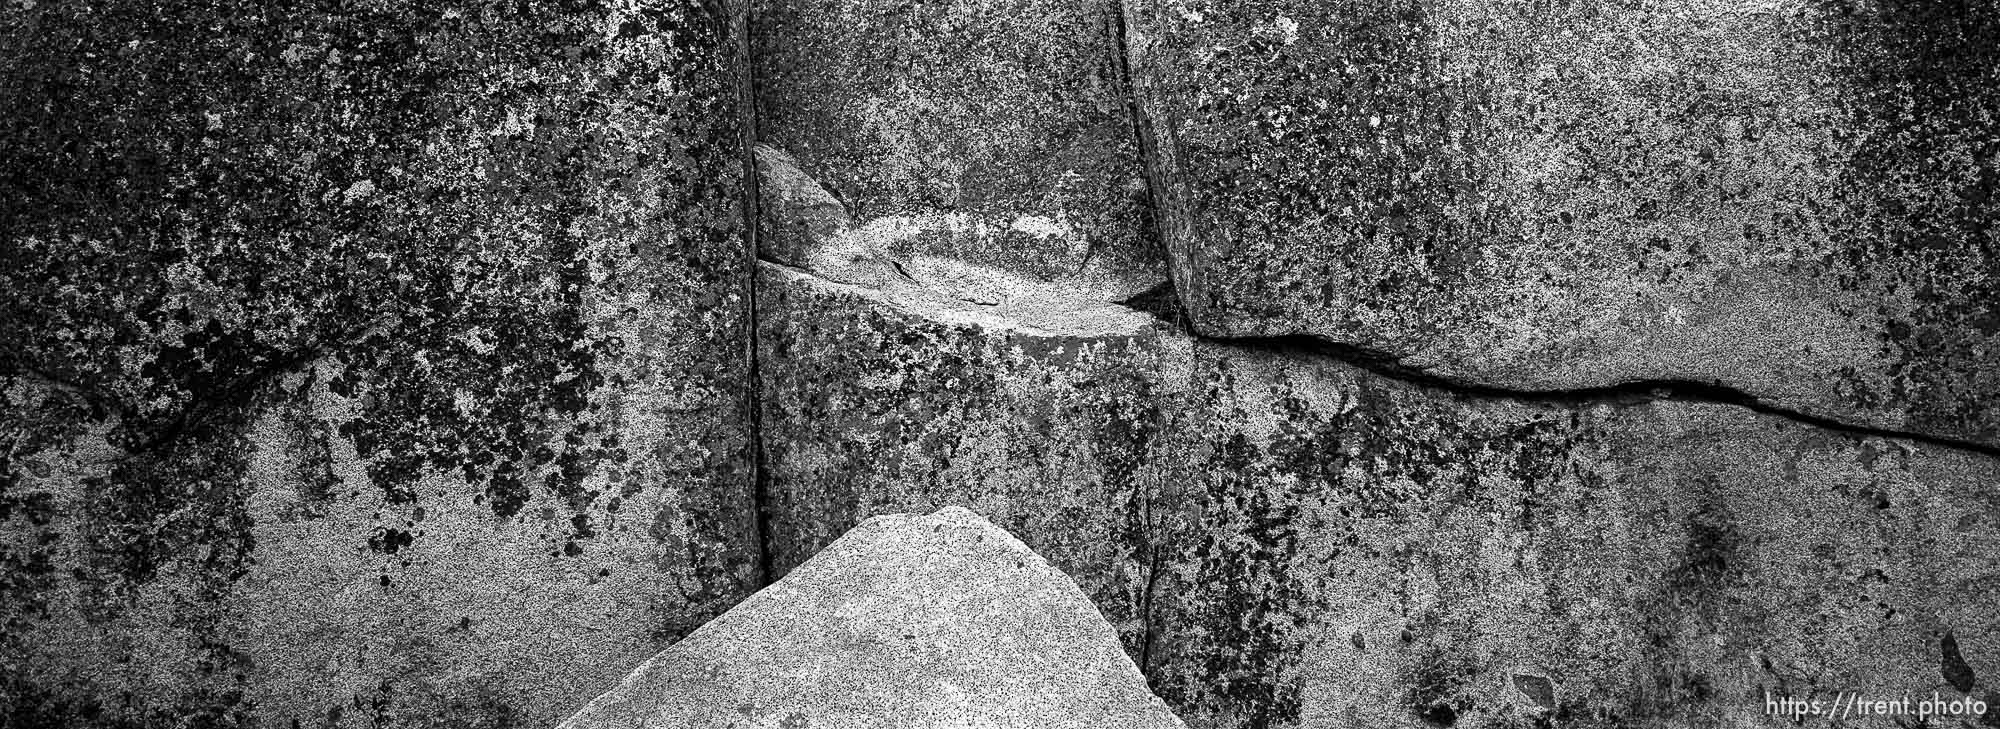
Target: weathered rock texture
(1794,200)
(994,132)
(1343,550)
(906,621)
(1285,540)
(888,401)
(391,365)
(364,366)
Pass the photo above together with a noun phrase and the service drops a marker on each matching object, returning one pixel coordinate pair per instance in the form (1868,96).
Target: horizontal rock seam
(1388,365)
(1634,392)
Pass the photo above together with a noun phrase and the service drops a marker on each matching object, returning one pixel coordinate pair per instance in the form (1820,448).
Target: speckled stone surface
(940,621)
(1287,541)
(390,365)
(1345,551)
(374,365)
(1793,199)
(883,402)
(995,132)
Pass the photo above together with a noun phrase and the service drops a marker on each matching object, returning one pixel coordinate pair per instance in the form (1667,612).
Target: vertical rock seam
(1142,132)
(740,19)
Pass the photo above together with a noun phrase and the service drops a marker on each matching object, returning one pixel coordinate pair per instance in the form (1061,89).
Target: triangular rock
(906,621)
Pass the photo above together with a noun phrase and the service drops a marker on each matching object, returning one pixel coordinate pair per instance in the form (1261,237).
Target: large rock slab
(993,132)
(364,365)
(906,621)
(1284,540)
(1794,201)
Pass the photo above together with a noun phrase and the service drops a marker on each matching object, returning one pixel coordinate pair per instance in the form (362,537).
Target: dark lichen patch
(390,541)
(35,420)
(478,284)
(347,270)
(1917,79)
(526,389)
(31,707)
(179,504)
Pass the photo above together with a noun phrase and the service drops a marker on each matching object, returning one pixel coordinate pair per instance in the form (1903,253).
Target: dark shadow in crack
(1630,392)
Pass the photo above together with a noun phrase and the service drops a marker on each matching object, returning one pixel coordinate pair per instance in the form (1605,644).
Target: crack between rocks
(753,215)
(1619,394)
(1389,366)
(1142,135)
(1147,147)
(1626,393)
(1379,363)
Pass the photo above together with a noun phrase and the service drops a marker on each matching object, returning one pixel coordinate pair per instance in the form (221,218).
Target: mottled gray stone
(905,400)
(365,365)
(994,132)
(1794,200)
(387,366)
(906,621)
(1339,550)
(1284,540)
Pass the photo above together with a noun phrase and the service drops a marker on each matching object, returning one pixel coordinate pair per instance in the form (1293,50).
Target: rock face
(1284,540)
(909,400)
(367,365)
(1794,201)
(406,365)
(1339,550)
(907,621)
(994,132)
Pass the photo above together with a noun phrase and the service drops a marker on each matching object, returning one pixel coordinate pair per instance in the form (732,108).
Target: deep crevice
(753,217)
(1160,302)
(1629,392)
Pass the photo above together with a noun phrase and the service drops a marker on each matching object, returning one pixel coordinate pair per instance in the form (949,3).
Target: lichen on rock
(1790,201)
(990,133)
(1284,539)
(366,364)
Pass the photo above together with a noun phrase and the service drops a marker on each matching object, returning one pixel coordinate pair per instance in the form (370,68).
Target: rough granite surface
(877,404)
(1288,541)
(994,132)
(1347,551)
(393,365)
(942,621)
(374,365)
(1792,199)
